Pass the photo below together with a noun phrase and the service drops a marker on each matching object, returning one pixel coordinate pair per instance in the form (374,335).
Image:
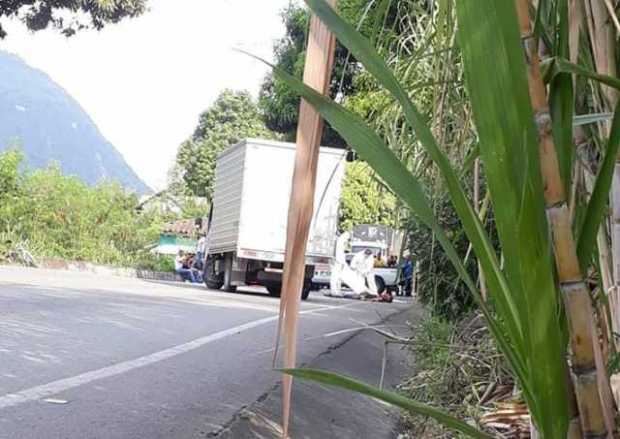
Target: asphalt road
(87,356)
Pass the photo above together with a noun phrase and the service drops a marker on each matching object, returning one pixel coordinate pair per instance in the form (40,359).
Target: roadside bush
(364,200)
(438,285)
(457,368)
(61,217)
(150,261)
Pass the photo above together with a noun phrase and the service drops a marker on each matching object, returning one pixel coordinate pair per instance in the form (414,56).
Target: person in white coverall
(363,263)
(335,280)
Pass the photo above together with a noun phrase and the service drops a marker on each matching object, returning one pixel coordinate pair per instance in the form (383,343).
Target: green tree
(9,172)
(69,16)
(364,200)
(279,105)
(232,117)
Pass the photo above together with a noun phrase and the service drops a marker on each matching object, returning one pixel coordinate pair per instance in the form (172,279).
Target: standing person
(363,263)
(187,274)
(201,251)
(392,261)
(407,276)
(335,280)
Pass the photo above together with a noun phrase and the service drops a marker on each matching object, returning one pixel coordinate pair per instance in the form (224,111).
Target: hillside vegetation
(59,216)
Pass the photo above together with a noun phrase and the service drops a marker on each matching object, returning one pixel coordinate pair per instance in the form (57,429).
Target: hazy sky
(144,81)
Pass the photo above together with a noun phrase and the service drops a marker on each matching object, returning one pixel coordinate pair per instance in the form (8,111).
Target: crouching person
(363,263)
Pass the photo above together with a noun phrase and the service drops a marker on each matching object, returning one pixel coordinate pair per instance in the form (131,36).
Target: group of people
(190,266)
(392,262)
(405,283)
(359,274)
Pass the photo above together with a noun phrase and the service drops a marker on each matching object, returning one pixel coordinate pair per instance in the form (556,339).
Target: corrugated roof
(186,227)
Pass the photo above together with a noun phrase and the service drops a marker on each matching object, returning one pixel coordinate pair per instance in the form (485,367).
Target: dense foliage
(547,219)
(60,217)
(407,37)
(277,102)
(69,16)
(232,117)
(279,105)
(438,285)
(364,199)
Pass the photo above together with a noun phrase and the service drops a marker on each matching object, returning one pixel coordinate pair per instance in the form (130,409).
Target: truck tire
(305,292)
(275,290)
(228,259)
(213,284)
(380,284)
(213,281)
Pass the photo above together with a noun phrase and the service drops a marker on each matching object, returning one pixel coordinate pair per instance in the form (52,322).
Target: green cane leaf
(600,195)
(344,382)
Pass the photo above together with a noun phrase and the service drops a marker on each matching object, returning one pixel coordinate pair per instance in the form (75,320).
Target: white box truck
(247,230)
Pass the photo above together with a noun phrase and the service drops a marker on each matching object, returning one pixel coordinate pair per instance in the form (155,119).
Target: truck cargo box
(252,195)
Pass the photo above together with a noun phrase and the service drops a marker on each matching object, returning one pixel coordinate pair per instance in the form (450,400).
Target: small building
(180,235)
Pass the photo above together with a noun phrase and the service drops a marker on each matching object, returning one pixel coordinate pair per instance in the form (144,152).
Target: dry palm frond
(509,419)
(317,74)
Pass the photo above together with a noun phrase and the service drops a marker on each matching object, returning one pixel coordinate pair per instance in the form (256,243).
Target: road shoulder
(321,412)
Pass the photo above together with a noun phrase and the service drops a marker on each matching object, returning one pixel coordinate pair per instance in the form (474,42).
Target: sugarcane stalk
(605,308)
(603,43)
(574,291)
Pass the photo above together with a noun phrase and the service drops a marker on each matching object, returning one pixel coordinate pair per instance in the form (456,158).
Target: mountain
(50,126)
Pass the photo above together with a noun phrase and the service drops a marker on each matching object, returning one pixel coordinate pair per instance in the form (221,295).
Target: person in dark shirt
(182,267)
(407,276)
(392,261)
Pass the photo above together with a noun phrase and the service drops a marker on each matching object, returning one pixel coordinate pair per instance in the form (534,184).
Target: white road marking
(343,331)
(56,401)
(318,314)
(55,387)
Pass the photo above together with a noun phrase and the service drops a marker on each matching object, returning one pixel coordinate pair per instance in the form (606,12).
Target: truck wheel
(228,274)
(305,292)
(212,280)
(213,284)
(380,284)
(275,290)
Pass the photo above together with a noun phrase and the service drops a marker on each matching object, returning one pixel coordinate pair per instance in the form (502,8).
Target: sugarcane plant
(539,308)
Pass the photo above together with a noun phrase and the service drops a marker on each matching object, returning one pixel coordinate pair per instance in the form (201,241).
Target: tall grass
(527,174)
